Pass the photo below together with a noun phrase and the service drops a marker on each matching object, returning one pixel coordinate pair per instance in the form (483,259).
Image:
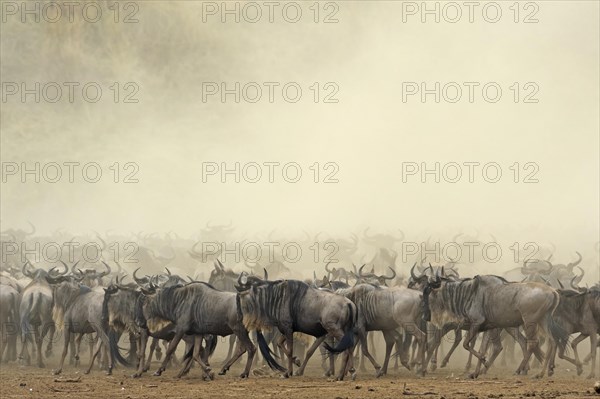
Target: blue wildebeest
(78,310)
(9,317)
(387,310)
(578,312)
(484,304)
(293,306)
(35,311)
(194,309)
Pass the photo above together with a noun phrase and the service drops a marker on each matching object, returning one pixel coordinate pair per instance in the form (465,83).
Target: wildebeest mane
(272,302)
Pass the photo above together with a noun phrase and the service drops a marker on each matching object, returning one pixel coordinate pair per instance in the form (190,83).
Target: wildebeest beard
(269,304)
(64,295)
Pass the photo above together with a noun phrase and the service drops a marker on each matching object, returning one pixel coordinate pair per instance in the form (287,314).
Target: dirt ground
(19,381)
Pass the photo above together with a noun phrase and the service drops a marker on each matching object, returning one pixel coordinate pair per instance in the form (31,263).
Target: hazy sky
(368,61)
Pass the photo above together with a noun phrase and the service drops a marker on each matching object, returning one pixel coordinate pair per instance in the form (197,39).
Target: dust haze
(367,134)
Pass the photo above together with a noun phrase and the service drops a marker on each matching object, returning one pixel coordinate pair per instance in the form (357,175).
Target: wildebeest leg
(589,356)
(309,354)
(562,355)
(594,344)
(244,345)
(142,354)
(366,353)
(455,343)
(94,355)
(153,346)
(64,352)
(432,345)
(50,330)
(289,351)
(3,341)
(133,344)
(187,363)
(531,334)
(157,349)
(170,350)
(232,340)
(493,336)
(388,337)
(421,339)
(25,338)
(39,340)
(469,344)
(574,344)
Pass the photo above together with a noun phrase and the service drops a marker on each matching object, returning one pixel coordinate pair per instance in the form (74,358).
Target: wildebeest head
(223,279)
(90,276)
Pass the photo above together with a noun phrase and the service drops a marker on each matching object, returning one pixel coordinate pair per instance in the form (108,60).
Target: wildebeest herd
(177,290)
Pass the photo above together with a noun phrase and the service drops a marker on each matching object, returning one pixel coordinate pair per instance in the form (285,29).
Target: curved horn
(578,261)
(360,274)
(401,236)
(329,272)
(367,237)
(66,269)
(412,272)
(32,229)
(168,271)
(580,277)
(75,270)
(266,274)
(140,281)
(108,270)
(221,265)
(574,284)
(25,270)
(393,274)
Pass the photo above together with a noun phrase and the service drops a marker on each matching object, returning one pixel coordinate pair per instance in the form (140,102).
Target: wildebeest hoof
(297,362)
(244,375)
(41,365)
(298,373)
(379,373)
(473,376)
(285,375)
(56,372)
(136,375)
(109,372)
(353,376)
(223,372)
(86,372)
(157,373)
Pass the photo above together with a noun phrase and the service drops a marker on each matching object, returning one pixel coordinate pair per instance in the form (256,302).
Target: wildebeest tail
(26,328)
(266,352)
(211,344)
(113,340)
(558,333)
(347,340)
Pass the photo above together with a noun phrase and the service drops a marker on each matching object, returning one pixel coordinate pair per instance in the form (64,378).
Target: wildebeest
(35,312)
(78,310)
(387,310)
(484,304)
(9,317)
(293,306)
(578,312)
(195,309)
